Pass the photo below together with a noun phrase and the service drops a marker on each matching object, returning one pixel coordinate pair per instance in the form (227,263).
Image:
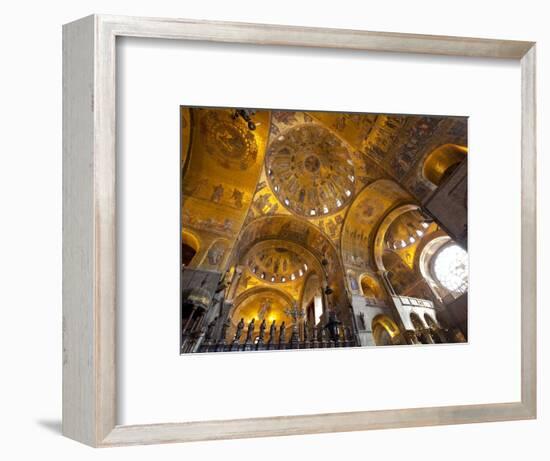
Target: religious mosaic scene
(307,229)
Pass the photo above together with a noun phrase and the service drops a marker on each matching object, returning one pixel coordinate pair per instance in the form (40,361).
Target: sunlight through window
(451,268)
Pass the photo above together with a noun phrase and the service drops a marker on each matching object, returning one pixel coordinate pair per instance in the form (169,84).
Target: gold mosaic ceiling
(277,264)
(310,170)
(323,180)
(230,143)
(406,230)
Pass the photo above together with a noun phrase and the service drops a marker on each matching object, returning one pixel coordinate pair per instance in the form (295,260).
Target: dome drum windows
(310,171)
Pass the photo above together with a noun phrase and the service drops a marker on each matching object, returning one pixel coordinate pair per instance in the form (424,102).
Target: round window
(450,268)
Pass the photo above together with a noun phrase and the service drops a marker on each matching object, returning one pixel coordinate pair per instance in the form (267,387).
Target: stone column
(234,283)
(324,288)
(426,336)
(386,283)
(410,337)
(199,340)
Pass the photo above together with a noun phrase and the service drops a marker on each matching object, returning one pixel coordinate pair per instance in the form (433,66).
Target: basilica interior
(314,229)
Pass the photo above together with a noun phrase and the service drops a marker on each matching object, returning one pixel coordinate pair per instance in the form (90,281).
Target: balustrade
(312,338)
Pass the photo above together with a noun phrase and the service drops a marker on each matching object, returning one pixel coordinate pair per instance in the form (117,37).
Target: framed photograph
(320,222)
(273,230)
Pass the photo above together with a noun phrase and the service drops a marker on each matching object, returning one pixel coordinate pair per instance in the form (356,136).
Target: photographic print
(308,229)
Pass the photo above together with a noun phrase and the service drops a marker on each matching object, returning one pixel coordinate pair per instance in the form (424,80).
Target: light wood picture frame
(89,229)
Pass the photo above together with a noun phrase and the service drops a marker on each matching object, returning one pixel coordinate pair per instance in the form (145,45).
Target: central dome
(310,170)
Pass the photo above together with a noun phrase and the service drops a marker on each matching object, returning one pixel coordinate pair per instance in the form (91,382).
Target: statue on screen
(239,332)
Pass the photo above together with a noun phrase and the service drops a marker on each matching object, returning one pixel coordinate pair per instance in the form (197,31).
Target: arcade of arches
(321,229)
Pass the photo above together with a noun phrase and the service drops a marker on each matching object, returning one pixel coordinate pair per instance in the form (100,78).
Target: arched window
(450,268)
(444,266)
(430,321)
(189,247)
(441,162)
(381,336)
(187,254)
(385,331)
(415,320)
(422,333)
(371,288)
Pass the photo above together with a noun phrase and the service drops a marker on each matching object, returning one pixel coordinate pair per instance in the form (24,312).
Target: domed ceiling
(299,243)
(314,165)
(310,171)
(277,264)
(406,230)
(232,144)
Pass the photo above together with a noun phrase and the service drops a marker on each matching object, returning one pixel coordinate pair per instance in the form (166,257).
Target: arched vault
(363,219)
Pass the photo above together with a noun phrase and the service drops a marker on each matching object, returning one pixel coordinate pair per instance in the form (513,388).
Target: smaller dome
(277,264)
(406,230)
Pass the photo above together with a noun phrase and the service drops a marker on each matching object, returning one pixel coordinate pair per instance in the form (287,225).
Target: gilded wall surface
(333,195)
